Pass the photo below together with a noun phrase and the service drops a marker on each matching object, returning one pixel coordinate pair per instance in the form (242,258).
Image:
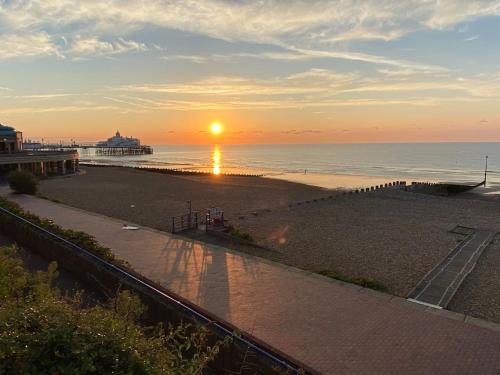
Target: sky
(269,71)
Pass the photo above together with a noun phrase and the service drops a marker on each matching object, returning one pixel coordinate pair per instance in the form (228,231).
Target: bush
(239,234)
(78,238)
(365,282)
(44,333)
(23,182)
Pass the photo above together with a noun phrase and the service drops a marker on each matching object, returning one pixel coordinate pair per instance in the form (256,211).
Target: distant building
(10,139)
(41,163)
(118,141)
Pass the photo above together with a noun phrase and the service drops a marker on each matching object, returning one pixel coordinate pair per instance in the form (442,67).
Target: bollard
(356,191)
(372,188)
(385,185)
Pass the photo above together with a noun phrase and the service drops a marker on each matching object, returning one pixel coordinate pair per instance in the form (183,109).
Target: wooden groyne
(172,171)
(444,188)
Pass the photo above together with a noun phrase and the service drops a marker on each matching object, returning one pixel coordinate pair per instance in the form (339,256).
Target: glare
(216,128)
(216,160)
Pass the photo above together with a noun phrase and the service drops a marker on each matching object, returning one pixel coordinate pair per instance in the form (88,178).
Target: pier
(99,150)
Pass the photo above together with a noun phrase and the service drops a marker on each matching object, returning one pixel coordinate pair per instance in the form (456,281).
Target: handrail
(150,287)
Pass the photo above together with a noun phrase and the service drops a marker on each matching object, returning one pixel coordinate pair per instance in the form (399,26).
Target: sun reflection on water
(216,160)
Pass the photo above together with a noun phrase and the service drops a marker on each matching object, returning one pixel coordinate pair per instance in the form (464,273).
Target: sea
(329,165)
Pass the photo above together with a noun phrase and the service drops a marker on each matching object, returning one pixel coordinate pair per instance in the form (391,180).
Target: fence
(185,222)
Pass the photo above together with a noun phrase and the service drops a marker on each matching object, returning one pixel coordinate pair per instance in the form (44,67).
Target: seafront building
(40,163)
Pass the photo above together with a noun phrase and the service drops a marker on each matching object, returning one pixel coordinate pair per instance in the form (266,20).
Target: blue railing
(196,314)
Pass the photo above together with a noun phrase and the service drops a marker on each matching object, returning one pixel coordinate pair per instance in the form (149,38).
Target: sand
(394,237)
(152,199)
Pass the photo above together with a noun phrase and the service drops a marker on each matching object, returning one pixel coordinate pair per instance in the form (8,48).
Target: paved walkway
(333,327)
(440,285)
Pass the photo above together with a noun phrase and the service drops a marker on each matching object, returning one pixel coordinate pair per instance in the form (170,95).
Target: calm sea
(334,165)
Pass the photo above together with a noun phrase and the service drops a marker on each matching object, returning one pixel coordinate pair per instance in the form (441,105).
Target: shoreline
(318,180)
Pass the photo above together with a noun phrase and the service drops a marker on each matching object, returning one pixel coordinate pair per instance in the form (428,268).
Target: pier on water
(123,151)
(99,150)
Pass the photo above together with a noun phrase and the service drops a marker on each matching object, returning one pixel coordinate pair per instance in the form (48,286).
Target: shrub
(43,333)
(23,182)
(238,233)
(78,238)
(365,282)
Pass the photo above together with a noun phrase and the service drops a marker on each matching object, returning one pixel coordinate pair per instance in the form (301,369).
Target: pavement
(333,327)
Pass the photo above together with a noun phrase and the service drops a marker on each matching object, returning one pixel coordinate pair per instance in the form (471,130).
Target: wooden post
(173,224)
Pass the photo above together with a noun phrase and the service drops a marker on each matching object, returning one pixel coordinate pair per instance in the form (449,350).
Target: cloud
(70,108)
(96,47)
(317,89)
(26,45)
(312,29)
(302,132)
(470,39)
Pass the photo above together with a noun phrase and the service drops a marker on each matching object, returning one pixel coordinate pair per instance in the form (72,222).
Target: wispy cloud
(27,45)
(471,38)
(96,47)
(312,27)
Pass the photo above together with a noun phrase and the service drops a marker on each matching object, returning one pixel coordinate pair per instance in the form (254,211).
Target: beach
(391,236)
(152,199)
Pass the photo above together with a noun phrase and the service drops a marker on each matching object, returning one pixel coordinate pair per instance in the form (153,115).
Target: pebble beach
(391,236)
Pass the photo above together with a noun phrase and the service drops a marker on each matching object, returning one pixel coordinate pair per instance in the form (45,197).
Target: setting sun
(216,128)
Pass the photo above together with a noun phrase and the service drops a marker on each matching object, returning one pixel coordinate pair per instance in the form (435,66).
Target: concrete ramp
(439,286)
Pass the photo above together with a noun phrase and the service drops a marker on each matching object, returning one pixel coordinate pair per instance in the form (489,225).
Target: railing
(196,315)
(185,222)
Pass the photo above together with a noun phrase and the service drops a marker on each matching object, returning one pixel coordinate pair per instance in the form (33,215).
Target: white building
(119,141)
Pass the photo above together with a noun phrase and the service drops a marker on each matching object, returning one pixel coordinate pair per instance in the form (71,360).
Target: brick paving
(334,328)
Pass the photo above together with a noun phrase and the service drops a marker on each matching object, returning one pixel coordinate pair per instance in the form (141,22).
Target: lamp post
(485,170)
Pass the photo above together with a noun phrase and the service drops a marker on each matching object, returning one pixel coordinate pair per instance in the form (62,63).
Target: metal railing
(185,222)
(180,305)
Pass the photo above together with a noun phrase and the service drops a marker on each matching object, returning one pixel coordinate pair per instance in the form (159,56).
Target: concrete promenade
(332,327)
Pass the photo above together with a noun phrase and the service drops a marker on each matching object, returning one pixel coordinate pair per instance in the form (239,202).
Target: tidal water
(329,165)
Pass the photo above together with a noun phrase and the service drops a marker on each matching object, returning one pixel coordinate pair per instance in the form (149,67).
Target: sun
(216,128)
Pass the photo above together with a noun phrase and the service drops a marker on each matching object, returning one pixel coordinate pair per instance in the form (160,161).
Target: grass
(365,282)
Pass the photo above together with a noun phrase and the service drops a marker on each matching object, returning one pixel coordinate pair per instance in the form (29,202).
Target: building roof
(7,131)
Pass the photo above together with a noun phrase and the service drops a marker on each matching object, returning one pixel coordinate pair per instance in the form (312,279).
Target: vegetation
(43,333)
(238,233)
(23,182)
(365,282)
(79,238)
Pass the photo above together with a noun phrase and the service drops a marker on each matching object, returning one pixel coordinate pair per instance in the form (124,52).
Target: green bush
(365,282)
(23,182)
(43,333)
(238,233)
(78,238)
